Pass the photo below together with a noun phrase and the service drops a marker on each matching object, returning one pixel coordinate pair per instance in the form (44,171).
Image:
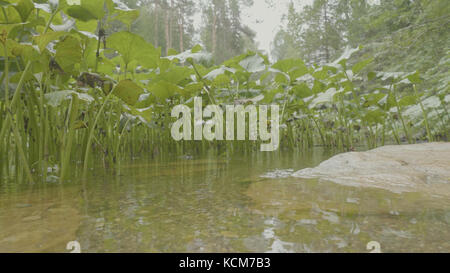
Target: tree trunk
(171,24)
(327,49)
(214,33)
(156,29)
(181,30)
(167,32)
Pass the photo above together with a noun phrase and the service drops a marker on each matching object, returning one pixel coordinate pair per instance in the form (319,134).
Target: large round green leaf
(68,53)
(133,47)
(164,90)
(87,10)
(128,91)
(44,39)
(253,63)
(80,13)
(24,8)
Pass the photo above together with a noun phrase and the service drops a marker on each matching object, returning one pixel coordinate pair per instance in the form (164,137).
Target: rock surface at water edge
(402,168)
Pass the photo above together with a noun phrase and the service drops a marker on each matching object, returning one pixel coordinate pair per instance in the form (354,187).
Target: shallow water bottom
(242,203)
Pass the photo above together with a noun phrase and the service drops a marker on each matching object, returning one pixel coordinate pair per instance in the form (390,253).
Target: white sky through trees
(265,18)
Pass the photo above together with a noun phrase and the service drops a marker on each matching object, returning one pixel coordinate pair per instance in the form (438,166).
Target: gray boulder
(402,168)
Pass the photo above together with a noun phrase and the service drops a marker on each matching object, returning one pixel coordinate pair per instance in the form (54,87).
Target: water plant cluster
(73,91)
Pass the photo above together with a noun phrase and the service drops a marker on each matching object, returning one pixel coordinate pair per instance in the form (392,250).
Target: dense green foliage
(400,35)
(166,24)
(73,87)
(170,24)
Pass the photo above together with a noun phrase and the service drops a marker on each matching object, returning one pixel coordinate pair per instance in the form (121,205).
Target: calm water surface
(243,203)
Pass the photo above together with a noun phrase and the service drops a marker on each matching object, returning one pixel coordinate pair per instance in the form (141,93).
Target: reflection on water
(243,203)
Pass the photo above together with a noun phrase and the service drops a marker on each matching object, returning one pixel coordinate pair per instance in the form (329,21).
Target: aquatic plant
(73,91)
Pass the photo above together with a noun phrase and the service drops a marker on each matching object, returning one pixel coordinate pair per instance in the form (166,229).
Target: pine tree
(223,33)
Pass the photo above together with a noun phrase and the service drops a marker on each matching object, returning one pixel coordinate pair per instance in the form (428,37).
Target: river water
(209,203)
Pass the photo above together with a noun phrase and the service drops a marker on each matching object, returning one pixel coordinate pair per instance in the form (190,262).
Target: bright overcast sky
(265,19)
